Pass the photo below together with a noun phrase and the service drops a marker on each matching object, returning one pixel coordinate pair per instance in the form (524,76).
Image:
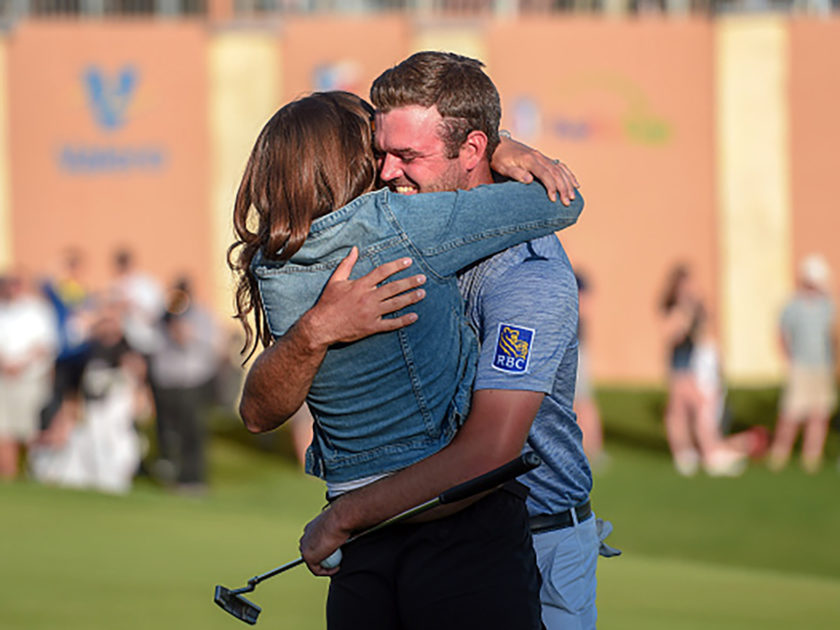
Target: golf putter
(233,602)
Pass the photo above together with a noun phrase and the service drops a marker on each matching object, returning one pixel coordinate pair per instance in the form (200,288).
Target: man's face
(413,155)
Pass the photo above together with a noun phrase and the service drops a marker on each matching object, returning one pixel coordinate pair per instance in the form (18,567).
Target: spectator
(74,312)
(27,350)
(690,419)
(92,442)
(585,406)
(142,300)
(808,343)
(708,374)
(182,370)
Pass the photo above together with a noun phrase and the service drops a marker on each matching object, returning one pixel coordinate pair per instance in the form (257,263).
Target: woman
(387,401)
(691,418)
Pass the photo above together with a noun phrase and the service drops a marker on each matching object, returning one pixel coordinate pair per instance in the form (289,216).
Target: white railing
(13,10)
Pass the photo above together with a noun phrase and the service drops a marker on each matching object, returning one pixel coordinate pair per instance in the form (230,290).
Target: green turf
(638,591)
(760,551)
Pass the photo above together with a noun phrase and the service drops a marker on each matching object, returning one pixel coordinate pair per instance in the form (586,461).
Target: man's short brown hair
(464,95)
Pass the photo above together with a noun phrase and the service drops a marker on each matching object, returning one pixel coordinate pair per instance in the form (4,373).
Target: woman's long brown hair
(312,157)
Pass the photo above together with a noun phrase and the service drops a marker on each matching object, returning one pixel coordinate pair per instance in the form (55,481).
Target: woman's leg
(705,424)
(677,428)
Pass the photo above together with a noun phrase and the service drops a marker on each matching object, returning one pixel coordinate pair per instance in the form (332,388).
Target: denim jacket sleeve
(455,229)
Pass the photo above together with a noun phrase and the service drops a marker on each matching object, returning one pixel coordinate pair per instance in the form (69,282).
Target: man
(27,350)
(429,108)
(808,341)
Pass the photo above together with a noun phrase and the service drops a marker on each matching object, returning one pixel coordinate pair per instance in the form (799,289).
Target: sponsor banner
(108,143)
(636,126)
(349,54)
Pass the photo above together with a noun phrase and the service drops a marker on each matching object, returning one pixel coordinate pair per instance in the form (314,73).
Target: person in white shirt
(28,342)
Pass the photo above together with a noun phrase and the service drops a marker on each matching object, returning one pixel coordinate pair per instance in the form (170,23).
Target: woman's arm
(452,230)
(520,162)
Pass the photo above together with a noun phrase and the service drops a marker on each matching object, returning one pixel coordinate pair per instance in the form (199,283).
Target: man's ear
(473,150)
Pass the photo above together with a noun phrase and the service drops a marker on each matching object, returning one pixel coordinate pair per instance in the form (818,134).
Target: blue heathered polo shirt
(523,303)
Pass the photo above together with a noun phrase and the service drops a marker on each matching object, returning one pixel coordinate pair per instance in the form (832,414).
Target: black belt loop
(561,520)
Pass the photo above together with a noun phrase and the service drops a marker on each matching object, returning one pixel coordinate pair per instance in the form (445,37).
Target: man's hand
(518,161)
(349,310)
(321,537)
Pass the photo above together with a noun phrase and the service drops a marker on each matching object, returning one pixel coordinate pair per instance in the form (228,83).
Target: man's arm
(279,380)
(494,433)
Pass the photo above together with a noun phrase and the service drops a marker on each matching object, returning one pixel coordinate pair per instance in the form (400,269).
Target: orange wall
(636,124)
(629,104)
(340,53)
(815,138)
(64,192)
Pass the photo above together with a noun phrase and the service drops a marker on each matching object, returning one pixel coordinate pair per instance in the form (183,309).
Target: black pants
(181,430)
(474,569)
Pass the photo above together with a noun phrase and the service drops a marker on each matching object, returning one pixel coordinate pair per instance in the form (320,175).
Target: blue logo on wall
(109,96)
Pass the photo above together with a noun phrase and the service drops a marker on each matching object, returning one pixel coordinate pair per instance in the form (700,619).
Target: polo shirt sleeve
(529,322)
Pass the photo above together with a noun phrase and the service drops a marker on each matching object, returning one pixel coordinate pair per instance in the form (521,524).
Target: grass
(759,551)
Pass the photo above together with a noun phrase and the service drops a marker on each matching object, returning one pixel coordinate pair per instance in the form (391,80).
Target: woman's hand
(349,310)
(520,162)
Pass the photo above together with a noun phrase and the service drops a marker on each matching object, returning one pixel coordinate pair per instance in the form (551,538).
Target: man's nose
(391,168)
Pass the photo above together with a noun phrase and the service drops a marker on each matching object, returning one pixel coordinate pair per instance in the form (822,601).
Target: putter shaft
(247,611)
(252,583)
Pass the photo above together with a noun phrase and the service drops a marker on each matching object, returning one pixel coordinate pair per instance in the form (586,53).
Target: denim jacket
(387,401)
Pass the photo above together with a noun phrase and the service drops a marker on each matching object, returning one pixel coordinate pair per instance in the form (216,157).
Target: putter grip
(488,481)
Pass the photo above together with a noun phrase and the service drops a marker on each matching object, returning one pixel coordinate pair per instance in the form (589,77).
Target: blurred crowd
(697,422)
(81,369)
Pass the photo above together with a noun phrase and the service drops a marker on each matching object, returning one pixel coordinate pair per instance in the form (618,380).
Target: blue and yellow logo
(513,349)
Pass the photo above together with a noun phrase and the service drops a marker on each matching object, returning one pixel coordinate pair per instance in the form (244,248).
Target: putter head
(236,605)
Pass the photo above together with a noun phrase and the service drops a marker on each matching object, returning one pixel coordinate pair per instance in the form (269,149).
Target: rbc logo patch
(513,349)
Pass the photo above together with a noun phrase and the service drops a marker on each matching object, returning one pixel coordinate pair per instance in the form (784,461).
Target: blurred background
(704,136)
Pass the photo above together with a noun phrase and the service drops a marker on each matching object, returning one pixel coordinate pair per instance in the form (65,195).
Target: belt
(548,522)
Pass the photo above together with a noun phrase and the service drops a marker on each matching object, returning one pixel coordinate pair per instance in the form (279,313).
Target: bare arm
(279,380)
(494,432)
(520,162)
(677,322)
(783,344)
